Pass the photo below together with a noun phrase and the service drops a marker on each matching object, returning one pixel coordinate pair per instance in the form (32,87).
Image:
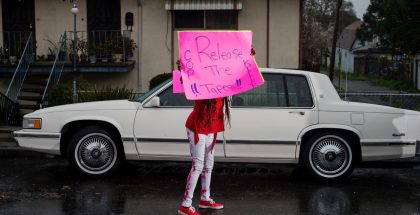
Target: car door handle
(297,112)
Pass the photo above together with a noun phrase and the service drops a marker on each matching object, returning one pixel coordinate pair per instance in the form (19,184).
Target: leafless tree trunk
(334,43)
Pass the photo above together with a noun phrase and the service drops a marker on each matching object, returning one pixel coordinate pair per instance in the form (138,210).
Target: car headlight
(32,123)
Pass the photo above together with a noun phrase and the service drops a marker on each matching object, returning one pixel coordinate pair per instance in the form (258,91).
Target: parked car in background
(295,117)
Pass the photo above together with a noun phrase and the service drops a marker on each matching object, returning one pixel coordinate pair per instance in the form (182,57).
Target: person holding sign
(215,65)
(203,124)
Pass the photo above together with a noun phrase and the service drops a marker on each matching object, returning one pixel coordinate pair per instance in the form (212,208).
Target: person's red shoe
(210,204)
(187,211)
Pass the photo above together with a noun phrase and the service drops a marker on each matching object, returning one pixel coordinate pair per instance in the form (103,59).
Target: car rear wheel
(93,151)
(328,156)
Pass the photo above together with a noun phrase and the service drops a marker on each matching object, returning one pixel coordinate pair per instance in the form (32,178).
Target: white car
(295,117)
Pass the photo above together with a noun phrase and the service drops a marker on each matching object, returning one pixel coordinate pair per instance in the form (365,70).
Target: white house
(345,45)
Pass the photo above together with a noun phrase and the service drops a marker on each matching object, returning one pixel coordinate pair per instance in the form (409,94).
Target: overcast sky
(360,7)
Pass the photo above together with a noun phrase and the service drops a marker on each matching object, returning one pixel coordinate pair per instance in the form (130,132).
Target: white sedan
(295,117)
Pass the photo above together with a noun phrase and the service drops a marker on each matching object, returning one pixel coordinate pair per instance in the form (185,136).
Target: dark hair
(227,111)
(211,102)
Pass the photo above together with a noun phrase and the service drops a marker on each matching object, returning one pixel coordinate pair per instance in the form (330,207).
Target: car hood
(88,106)
(364,107)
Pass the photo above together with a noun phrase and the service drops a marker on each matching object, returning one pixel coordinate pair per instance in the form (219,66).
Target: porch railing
(104,46)
(9,111)
(57,68)
(12,43)
(26,59)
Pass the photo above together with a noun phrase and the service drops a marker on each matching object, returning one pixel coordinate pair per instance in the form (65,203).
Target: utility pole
(334,43)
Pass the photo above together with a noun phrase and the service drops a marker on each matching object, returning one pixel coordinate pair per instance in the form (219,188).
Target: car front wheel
(93,151)
(328,156)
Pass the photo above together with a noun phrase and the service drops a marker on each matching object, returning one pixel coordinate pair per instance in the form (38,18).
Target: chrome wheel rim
(330,156)
(96,153)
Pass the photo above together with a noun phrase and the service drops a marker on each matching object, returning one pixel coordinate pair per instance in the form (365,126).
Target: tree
(334,43)
(395,22)
(397,25)
(318,24)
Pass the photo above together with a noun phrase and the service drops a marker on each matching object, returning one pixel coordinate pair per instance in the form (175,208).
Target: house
(150,26)
(345,46)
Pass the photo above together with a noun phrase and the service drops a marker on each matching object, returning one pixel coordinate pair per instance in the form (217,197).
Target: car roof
(287,71)
(321,82)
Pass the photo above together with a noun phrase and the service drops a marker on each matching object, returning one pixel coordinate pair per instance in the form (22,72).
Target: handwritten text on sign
(217,64)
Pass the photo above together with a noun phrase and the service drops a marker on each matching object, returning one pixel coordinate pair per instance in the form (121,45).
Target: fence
(383,67)
(12,43)
(102,45)
(403,100)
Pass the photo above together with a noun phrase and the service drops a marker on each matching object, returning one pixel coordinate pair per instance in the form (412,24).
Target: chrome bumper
(46,142)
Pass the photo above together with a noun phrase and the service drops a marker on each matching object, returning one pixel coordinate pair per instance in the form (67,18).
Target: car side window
(279,90)
(299,94)
(270,94)
(170,99)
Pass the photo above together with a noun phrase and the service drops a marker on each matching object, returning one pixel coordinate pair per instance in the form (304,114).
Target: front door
(266,121)
(18,21)
(103,15)
(104,26)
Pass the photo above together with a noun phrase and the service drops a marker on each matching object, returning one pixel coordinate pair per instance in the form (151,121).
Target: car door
(160,130)
(266,121)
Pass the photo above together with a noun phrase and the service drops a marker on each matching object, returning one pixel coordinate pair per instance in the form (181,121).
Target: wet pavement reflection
(50,186)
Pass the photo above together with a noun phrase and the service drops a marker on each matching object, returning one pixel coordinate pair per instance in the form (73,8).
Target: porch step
(9,129)
(31,75)
(26,111)
(29,106)
(39,89)
(31,98)
(37,80)
(6,136)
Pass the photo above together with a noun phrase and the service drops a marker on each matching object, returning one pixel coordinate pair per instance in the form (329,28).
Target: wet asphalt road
(50,186)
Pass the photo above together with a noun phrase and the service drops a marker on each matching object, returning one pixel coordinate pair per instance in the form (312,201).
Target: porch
(99,67)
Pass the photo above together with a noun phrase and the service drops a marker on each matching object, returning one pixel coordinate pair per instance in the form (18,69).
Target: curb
(21,152)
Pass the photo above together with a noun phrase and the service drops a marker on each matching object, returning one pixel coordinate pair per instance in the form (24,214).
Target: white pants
(202,164)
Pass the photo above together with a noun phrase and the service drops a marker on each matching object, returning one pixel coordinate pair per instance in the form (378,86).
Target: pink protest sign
(217,64)
(177,82)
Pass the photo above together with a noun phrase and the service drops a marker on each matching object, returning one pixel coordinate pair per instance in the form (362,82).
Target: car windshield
(142,97)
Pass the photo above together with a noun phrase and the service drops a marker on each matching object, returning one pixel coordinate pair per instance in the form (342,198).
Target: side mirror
(154,102)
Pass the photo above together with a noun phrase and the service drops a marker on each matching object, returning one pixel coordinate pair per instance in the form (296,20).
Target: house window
(206,19)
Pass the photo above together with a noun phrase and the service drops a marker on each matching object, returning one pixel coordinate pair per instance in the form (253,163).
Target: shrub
(62,93)
(105,93)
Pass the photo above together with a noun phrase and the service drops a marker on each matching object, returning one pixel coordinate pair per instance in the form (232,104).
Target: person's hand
(253,51)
